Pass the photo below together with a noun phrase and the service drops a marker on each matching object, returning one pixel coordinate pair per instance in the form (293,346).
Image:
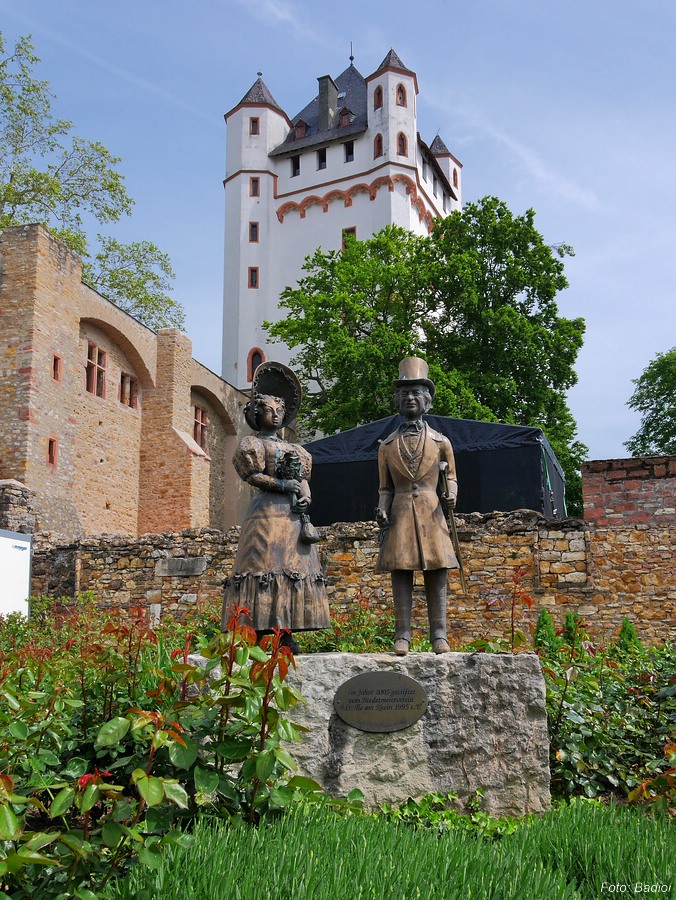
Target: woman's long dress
(277,576)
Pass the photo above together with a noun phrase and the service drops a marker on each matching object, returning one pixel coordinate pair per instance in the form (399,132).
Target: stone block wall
(16,507)
(605,574)
(636,491)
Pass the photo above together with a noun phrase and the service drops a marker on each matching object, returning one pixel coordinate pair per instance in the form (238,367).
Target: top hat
(275,380)
(413,370)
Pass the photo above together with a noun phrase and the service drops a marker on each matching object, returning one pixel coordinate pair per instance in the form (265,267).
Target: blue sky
(568,108)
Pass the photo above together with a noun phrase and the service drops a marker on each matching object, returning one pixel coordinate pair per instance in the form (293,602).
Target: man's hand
(382,518)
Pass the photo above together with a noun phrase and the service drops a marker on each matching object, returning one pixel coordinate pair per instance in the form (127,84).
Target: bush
(110,745)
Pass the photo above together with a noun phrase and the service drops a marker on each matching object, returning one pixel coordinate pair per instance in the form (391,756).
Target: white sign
(15,572)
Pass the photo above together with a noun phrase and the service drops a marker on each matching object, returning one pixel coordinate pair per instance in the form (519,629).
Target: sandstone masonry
(603,573)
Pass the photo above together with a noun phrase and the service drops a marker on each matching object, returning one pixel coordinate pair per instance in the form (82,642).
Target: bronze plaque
(380,701)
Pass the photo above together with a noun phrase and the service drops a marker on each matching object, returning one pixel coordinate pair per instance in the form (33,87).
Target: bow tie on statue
(414,427)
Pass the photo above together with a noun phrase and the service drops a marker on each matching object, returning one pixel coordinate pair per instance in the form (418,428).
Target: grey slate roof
(259,92)
(392,60)
(350,83)
(438,148)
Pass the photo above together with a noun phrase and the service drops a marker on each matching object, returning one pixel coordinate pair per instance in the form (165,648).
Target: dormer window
(401,95)
(345,117)
(378,98)
(301,129)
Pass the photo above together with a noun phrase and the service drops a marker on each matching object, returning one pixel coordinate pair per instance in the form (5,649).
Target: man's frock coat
(418,536)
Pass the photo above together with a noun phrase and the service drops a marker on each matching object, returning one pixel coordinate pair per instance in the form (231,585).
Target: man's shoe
(401,647)
(441,646)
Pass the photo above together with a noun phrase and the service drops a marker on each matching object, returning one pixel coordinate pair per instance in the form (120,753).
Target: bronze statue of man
(410,513)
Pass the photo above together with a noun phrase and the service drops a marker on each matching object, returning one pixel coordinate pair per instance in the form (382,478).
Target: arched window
(378,98)
(402,144)
(455,177)
(401,95)
(255,358)
(378,146)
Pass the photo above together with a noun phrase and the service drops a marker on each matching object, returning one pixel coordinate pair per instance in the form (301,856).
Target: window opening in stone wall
(129,390)
(347,234)
(378,98)
(253,232)
(300,130)
(345,118)
(56,367)
(377,146)
(435,185)
(295,166)
(321,158)
(96,370)
(402,144)
(254,125)
(455,177)
(401,95)
(253,276)
(52,451)
(201,428)
(254,187)
(255,359)
(349,151)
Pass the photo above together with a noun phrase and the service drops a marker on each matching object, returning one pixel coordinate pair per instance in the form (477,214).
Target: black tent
(500,467)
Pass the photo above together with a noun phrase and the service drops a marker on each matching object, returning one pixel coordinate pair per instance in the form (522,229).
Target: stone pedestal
(485,727)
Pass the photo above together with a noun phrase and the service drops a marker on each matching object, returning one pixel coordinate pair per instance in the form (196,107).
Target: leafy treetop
(654,399)
(50,175)
(476,298)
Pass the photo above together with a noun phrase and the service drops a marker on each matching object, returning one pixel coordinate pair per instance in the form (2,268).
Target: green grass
(313,855)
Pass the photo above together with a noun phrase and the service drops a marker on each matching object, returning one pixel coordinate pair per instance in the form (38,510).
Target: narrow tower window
(200,430)
(253,276)
(254,125)
(378,98)
(56,367)
(402,144)
(254,186)
(255,358)
(253,232)
(401,95)
(378,146)
(52,451)
(96,371)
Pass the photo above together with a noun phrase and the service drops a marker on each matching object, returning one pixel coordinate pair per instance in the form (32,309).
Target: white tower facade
(351,161)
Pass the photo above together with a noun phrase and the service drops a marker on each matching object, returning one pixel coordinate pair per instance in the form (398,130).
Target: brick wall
(604,573)
(636,491)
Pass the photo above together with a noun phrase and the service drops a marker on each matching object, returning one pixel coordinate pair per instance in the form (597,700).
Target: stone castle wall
(603,573)
(99,457)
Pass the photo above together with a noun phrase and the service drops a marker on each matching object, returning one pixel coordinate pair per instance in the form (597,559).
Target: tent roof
(361,443)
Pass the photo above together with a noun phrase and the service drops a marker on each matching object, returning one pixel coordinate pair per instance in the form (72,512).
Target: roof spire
(351,54)
(259,73)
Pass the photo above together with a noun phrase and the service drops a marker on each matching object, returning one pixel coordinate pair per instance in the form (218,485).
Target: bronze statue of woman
(277,573)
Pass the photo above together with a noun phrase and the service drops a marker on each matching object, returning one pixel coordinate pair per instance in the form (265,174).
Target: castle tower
(350,162)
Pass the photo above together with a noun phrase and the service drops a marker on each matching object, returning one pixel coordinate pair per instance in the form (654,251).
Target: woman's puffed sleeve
(249,458)
(305,461)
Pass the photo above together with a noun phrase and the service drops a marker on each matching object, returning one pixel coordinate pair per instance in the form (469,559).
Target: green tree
(654,399)
(476,298)
(50,175)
